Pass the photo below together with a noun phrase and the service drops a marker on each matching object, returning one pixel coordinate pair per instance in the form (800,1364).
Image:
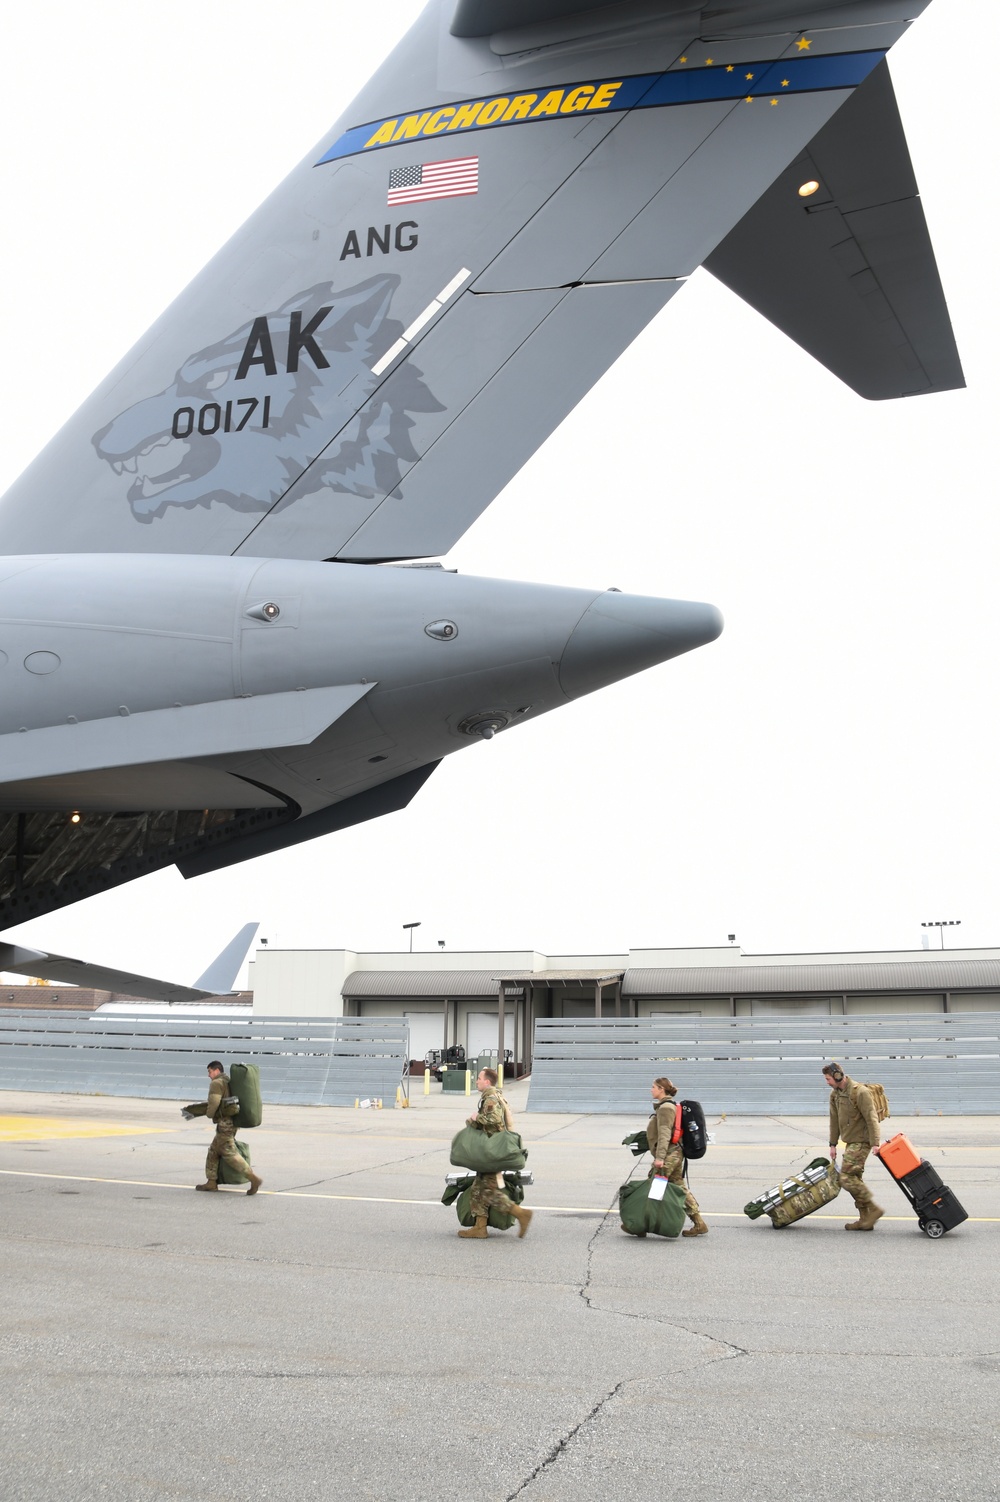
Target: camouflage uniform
(223,1144)
(659,1131)
(853,1120)
(486,1191)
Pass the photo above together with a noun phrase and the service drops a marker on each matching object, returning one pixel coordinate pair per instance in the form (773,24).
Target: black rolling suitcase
(937,1208)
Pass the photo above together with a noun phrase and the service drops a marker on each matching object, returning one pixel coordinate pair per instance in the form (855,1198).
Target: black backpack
(694,1133)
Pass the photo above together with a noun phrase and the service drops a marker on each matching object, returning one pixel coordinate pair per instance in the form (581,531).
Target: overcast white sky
(823,777)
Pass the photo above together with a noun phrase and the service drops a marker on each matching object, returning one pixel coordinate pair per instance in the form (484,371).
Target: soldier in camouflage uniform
(668,1156)
(493,1116)
(223,1145)
(854,1120)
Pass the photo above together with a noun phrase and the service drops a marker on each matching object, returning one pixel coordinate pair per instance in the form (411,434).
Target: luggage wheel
(932,1228)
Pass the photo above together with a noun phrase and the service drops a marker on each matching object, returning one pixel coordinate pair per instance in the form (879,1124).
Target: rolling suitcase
(798,1196)
(936,1207)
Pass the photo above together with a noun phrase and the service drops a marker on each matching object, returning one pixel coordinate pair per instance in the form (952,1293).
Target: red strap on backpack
(675,1136)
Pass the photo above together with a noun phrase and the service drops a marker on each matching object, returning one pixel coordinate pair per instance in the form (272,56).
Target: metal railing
(764,1066)
(304,1061)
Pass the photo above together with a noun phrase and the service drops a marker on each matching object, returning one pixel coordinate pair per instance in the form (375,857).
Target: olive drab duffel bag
(502,1152)
(641,1215)
(226,1174)
(244,1083)
(460,1195)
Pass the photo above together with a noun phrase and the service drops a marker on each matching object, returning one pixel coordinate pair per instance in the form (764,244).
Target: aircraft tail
(509,201)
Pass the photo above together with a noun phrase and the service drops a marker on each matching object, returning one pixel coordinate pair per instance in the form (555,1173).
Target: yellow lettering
(437,122)
(576,99)
(549,105)
(411,126)
(492,111)
(465,115)
(604,95)
(520,106)
(384,133)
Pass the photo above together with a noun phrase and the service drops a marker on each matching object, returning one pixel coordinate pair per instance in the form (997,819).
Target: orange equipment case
(899,1156)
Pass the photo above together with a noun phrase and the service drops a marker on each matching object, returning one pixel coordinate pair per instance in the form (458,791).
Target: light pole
(411,927)
(941,924)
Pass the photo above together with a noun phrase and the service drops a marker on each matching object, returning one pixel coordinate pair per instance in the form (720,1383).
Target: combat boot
(208,1184)
(255,1183)
(697,1227)
(478,1230)
(869,1215)
(523,1218)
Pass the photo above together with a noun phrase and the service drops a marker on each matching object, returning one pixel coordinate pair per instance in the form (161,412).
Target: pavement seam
(561,1445)
(590,1303)
(529,1279)
(353,1172)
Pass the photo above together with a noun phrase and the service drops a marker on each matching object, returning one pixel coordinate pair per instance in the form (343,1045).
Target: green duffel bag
(244,1083)
(228,1175)
(640,1214)
(500,1153)
(460,1195)
(452,1191)
(638,1142)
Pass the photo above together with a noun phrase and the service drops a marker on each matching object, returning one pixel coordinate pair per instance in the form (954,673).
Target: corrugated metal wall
(303,1061)
(768,1066)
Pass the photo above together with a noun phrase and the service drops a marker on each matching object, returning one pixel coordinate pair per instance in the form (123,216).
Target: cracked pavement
(335,1338)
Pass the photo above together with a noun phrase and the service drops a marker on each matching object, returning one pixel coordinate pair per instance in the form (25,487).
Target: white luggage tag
(657,1188)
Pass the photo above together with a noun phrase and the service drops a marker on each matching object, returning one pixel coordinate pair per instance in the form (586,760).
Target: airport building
(451,999)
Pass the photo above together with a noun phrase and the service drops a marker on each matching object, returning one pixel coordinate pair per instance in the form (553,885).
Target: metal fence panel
(948,1064)
(303,1061)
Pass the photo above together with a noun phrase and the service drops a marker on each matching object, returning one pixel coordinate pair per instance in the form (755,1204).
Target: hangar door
(426,1032)
(481,1036)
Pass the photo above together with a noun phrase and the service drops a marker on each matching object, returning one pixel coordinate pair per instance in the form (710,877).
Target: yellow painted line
(53,1129)
(377,1199)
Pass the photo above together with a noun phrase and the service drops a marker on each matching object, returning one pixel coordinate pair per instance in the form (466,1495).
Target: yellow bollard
(427,1082)
(499,1075)
(399,1097)
(357,1103)
(468,1082)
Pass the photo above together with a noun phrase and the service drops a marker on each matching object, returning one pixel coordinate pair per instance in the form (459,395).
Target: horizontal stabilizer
(221,728)
(848,272)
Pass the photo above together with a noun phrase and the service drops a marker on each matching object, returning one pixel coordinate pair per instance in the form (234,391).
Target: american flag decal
(452,179)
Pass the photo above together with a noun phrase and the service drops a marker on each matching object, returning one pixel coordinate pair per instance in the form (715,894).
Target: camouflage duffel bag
(799,1195)
(460,1195)
(640,1214)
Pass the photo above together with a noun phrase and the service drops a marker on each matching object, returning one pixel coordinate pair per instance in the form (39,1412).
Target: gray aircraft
(221,635)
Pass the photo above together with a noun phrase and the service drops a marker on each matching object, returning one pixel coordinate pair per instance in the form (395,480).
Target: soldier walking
(664,1138)
(487,1191)
(853,1120)
(221,1108)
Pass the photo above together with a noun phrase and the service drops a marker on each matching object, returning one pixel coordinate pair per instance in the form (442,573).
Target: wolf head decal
(285,398)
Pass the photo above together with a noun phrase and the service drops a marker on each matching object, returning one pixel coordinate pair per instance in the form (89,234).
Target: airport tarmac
(336,1339)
